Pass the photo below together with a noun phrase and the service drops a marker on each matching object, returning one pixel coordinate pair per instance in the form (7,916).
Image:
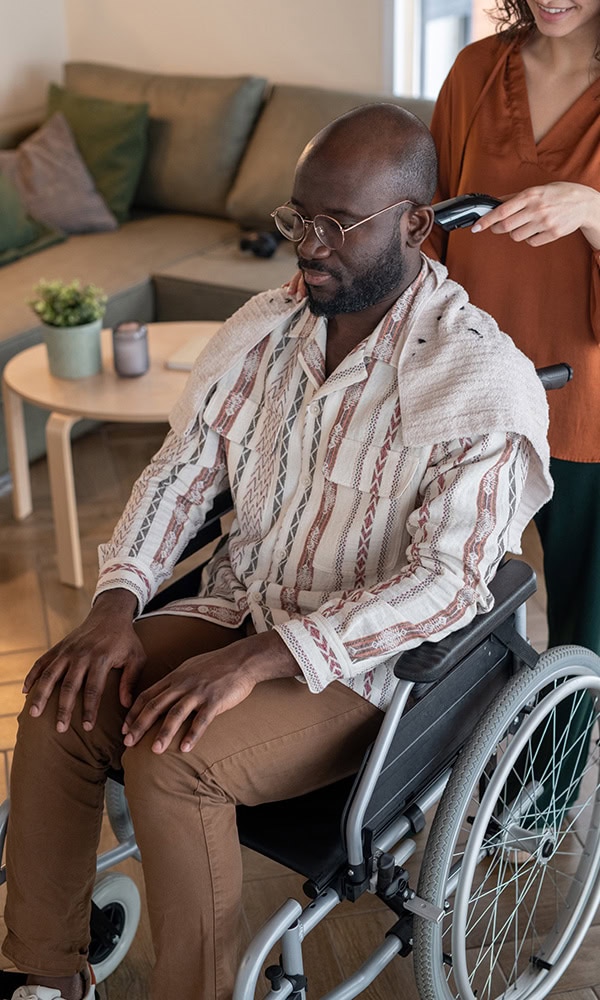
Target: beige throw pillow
(54,183)
(291,117)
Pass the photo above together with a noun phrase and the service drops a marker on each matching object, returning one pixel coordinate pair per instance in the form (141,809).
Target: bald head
(385,139)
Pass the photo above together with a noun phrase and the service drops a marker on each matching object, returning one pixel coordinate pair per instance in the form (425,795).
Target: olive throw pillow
(112,139)
(17,228)
(54,183)
(19,235)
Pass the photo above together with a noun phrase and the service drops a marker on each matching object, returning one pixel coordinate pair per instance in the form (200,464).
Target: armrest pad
(514,582)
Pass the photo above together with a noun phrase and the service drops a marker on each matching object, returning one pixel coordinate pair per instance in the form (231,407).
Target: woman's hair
(512,17)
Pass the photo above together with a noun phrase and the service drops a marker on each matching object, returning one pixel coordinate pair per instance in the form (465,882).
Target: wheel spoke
(524,866)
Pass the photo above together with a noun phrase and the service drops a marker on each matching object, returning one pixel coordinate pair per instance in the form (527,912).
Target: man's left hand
(205,686)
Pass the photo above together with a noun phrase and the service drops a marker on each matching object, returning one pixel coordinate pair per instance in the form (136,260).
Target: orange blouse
(547,298)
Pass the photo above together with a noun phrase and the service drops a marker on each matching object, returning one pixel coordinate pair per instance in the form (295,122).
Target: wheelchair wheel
(118,810)
(513,856)
(118,813)
(118,898)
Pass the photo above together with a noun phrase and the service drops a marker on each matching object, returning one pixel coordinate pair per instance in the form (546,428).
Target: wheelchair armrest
(514,582)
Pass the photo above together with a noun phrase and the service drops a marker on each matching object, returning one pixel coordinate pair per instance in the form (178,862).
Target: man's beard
(383,276)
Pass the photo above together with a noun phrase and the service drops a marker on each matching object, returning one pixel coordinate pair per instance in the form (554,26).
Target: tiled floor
(36,610)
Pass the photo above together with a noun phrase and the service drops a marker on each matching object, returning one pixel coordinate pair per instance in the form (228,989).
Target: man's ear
(419,224)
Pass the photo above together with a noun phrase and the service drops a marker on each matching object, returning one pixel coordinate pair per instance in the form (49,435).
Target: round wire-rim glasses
(328,230)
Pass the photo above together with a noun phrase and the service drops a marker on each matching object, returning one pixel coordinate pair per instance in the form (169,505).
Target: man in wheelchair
(384,445)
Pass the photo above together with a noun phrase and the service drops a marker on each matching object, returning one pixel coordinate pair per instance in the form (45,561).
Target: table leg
(17,453)
(62,491)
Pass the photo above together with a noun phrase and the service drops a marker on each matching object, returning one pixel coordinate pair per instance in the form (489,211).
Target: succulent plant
(60,303)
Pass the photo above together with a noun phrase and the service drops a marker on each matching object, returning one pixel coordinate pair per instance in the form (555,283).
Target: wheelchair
(497,749)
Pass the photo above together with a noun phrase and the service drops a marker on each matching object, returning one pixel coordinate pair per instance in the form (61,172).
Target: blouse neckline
(518,99)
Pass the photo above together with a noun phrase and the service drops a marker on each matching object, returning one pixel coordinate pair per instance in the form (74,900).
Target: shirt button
(281,554)
(306,480)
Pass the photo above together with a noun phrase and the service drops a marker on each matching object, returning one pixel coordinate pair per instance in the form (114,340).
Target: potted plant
(71,314)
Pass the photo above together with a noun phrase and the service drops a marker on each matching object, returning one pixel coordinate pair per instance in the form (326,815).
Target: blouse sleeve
(437,242)
(595,295)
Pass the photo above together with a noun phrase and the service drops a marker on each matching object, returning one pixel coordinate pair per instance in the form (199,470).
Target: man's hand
(544,213)
(106,640)
(205,686)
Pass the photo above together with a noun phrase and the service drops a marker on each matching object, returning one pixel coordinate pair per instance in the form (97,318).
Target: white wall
(33,46)
(332,43)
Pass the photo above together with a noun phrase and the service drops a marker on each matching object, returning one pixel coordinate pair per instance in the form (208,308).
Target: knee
(40,730)
(152,780)
(38,734)
(149,777)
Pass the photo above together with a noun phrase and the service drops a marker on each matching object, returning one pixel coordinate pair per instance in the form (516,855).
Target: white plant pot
(74,351)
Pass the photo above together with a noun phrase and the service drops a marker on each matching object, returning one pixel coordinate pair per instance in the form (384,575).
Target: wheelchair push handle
(555,376)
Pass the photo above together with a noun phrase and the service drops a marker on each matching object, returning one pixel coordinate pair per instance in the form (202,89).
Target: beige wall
(340,43)
(33,47)
(335,43)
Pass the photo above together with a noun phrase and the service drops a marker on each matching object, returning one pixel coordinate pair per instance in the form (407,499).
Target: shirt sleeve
(458,532)
(168,505)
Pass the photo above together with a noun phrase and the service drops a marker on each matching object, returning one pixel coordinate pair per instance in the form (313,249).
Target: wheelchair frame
(485,678)
(489,661)
(461,726)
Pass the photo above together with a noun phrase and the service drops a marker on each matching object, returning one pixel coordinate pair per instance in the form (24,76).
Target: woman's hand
(105,641)
(544,213)
(205,686)
(296,286)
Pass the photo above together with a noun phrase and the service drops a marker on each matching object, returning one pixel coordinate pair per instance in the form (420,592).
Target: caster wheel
(114,926)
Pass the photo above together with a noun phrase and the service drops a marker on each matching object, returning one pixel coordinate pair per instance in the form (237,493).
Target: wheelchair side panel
(432,732)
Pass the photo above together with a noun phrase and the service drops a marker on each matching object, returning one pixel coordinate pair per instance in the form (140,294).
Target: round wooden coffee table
(148,398)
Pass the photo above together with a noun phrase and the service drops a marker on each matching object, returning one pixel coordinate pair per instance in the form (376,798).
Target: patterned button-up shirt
(351,545)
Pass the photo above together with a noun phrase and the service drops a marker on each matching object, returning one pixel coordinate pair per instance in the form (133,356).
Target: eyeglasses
(328,231)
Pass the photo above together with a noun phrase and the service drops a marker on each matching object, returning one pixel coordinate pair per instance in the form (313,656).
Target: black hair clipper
(463,211)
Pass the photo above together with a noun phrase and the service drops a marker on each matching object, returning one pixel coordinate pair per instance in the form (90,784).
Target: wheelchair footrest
(421,908)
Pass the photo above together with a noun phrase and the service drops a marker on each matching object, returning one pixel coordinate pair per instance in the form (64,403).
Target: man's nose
(310,246)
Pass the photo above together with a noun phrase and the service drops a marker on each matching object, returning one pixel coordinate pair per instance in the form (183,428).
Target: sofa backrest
(198,130)
(291,116)
(222,146)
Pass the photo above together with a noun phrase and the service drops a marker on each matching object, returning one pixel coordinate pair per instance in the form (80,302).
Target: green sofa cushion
(291,117)
(19,235)
(199,128)
(17,228)
(112,139)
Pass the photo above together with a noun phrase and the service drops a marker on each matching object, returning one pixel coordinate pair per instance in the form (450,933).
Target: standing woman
(519,118)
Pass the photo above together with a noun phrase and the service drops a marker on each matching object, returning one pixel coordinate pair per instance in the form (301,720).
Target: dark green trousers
(569,528)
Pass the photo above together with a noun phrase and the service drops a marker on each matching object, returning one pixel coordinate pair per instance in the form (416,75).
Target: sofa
(219,155)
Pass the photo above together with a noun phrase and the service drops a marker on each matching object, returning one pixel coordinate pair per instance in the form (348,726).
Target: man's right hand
(105,641)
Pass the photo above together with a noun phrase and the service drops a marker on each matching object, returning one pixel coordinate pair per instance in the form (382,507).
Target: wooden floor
(36,610)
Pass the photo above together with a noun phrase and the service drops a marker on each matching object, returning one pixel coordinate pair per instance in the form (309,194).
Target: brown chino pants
(282,741)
